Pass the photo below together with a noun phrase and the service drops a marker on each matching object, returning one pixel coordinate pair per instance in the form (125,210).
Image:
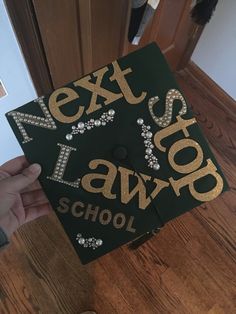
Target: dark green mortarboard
(121,152)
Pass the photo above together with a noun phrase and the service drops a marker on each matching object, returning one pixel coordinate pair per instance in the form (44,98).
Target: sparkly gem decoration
(25,118)
(147,135)
(165,119)
(92,242)
(61,164)
(82,127)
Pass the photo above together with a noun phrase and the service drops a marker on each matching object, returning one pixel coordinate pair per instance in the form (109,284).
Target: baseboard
(210,86)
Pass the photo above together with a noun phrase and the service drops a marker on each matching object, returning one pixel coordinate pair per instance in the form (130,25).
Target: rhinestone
(97,123)
(148,151)
(79,235)
(156,166)
(140,121)
(80,125)
(149,134)
(111,112)
(99,242)
(69,137)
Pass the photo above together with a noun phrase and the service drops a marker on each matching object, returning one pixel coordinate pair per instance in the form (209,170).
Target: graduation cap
(121,153)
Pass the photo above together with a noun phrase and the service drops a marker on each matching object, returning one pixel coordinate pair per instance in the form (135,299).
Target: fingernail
(35,168)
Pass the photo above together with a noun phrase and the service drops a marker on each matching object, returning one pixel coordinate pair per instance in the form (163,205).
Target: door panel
(80,36)
(60,33)
(108,19)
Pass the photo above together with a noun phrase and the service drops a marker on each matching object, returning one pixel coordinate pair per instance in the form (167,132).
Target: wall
(15,77)
(215,52)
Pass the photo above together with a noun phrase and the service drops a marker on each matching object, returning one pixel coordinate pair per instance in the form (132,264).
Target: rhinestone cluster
(89,243)
(61,166)
(84,126)
(165,120)
(20,118)
(147,135)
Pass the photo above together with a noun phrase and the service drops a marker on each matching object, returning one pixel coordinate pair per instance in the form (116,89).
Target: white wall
(14,75)
(215,52)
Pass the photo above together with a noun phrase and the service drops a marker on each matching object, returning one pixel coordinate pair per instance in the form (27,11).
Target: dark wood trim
(85,23)
(24,22)
(124,29)
(207,84)
(192,42)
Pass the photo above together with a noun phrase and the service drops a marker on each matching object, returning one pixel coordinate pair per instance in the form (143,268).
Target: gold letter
(191,166)
(116,224)
(119,76)
(96,90)
(91,211)
(108,178)
(20,118)
(74,211)
(106,220)
(189,180)
(63,201)
(129,226)
(140,189)
(165,119)
(180,125)
(54,104)
(61,164)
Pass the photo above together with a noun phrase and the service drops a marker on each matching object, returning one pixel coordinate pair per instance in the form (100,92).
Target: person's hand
(21,196)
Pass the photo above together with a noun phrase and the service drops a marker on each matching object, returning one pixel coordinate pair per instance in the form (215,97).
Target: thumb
(17,183)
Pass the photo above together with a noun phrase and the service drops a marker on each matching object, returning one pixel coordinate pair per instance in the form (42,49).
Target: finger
(32,187)
(17,183)
(3,175)
(33,197)
(35,212)
(15,165)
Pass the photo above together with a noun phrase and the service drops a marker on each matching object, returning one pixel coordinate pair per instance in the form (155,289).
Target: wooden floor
(189,268)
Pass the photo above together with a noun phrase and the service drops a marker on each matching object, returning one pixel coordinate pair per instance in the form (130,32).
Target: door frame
(24,22)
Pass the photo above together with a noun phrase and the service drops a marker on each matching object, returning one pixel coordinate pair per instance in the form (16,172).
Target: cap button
(120,153)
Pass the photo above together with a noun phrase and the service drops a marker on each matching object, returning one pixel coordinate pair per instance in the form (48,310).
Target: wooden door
(173,30)
(79,36)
